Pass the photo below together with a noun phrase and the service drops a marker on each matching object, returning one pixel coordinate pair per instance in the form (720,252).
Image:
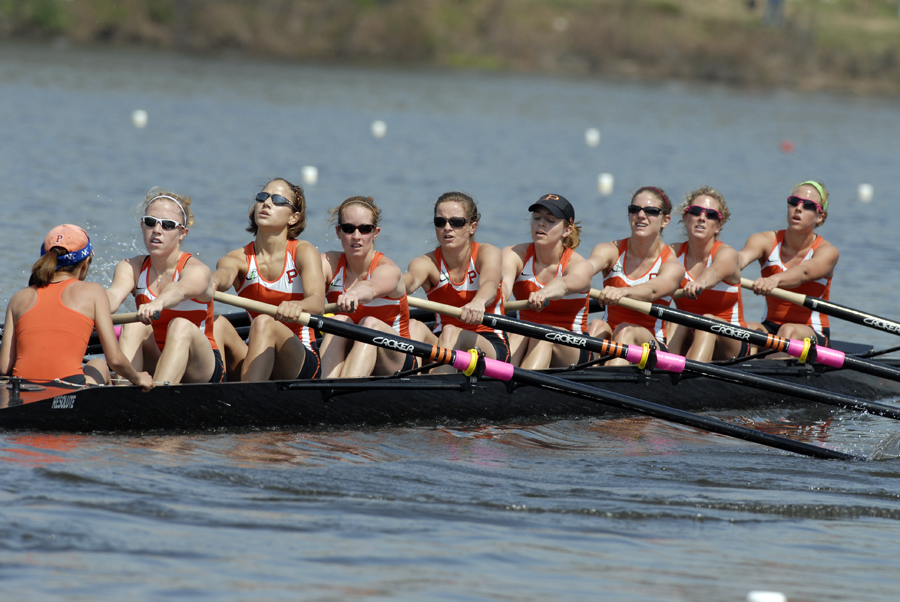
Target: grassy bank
(848,45)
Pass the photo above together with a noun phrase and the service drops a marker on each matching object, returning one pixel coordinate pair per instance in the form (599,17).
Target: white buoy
(592,137)
(310,174)
(761,596)
(865,192)
(379,128)
(139,118)
(560,24)
(605,183)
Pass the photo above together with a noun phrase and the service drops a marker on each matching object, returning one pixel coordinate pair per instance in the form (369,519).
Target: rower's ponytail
(574,238)
(44,268)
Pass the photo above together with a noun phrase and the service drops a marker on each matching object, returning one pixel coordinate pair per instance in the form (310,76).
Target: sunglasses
(277,199)
(698,211)
(648,211)
(455,222)
(167,224)
(351,228)
(809,205)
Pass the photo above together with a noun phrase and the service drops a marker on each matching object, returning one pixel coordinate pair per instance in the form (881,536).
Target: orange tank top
(457,294)
(51,339)
(570,312)
(785,312)
(724,301)
(616,314)
(198,312)
(393,312)
(287,287)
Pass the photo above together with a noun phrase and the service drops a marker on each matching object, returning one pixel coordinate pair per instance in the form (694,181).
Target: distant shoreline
(847,46)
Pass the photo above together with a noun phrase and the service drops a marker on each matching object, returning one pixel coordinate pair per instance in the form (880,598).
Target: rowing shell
(382,401)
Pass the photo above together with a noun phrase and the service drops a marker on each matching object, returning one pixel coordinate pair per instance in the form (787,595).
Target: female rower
(279,269)
(796,259)
(641,267)
(48,325)
(178,347)
(712,279)
(368,289)
(462,273)
(554,279)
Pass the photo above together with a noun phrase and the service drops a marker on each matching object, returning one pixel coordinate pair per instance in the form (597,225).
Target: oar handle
(129,317)
(266,308)
(643,307)
(778,293)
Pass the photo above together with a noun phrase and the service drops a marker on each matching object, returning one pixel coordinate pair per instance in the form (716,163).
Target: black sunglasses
(351,228)
(455,222)
(648,211)
(809,205)
(698,211)
(277,199)
(167,224)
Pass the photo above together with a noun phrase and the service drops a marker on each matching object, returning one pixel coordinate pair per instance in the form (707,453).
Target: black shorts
(821,339)
(218,375)
(75,379)
(312,366)
(410,363)
(501,347)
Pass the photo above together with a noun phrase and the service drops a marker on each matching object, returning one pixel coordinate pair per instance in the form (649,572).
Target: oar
(832,309)
(667,361)
(799,349)
(506,372)
(123,318)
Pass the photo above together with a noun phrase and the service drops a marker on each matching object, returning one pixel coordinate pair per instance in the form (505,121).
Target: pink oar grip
(824,355)
(118,331)
(493,368)
(669,362)
(634,353)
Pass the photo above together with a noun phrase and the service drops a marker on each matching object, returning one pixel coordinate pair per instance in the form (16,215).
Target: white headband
(165,196)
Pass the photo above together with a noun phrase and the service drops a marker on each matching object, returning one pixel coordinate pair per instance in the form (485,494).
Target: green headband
(819,188)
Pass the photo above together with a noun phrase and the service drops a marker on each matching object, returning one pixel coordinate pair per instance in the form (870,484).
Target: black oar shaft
(675,363)
(503,371)
(832,309)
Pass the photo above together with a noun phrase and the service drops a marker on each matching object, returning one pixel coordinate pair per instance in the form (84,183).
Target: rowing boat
(426,399)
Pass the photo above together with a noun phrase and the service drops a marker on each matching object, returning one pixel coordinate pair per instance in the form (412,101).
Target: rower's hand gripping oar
(647,359)
(503,371)
(806,351)
(832,309)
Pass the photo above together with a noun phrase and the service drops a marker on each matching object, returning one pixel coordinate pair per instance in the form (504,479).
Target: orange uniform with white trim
(457,294)
(616,314)
(785,312)
(287,287)
(724,301)
(570,312)
(393,312)
(198,312)
(51,338)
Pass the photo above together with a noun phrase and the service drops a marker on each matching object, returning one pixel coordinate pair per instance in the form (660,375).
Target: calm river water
(631,509)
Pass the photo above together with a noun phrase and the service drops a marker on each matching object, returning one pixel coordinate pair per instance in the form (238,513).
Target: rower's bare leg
(702,347)
(418,331)
(518,347)
(274,352)
(131,340)
(538,356)
(453,337)
(366,360)
(333,352)
(679,338)
(232,347)
(188,357)
(599,329)
(630,334)
(96,372)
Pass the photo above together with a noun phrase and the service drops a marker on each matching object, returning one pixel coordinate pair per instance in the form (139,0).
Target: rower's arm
(755,248)
(671,273)
(111,350)
(122,285)
(307,260)
(724,267)
(192,284)
(603,257)
(512,264)
(820,265)
(490,274)
(8,345)
(229,270)
(419,273)
(385,281)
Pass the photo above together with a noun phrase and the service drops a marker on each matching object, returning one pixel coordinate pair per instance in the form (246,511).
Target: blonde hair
(690,197)
(158,193)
